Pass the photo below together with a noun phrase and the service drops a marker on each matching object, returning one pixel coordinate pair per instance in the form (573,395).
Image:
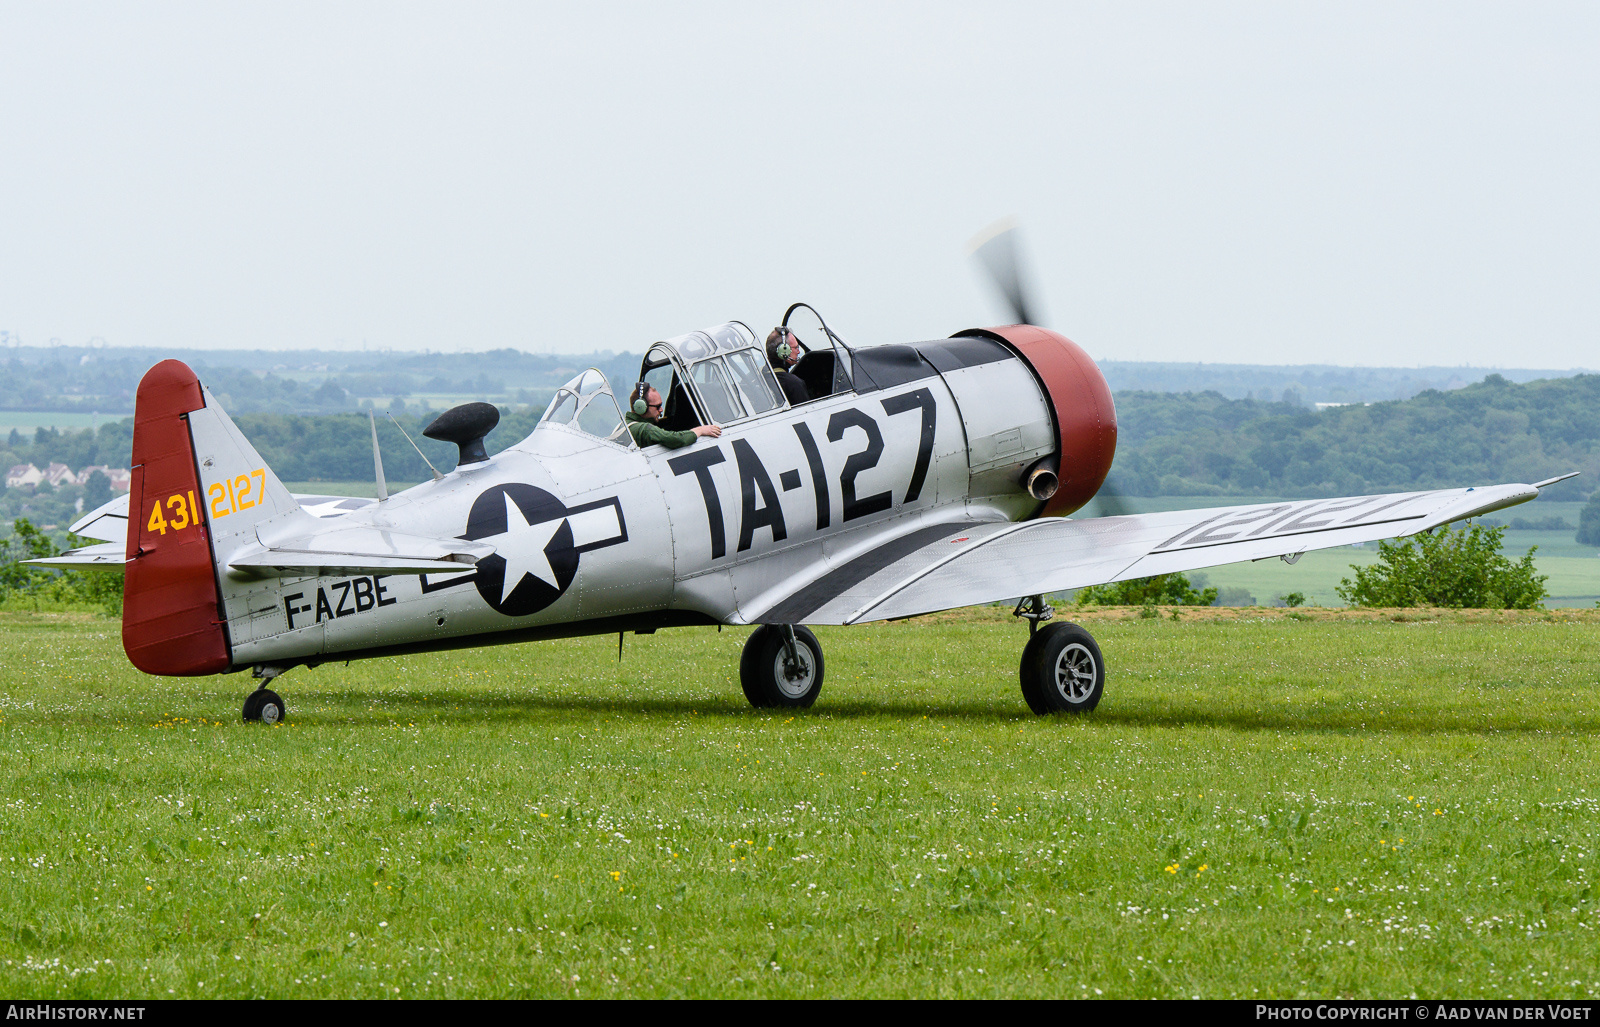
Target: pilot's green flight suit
(648,433)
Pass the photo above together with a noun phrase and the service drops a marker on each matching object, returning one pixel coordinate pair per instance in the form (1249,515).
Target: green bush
(1589,522)
(1163,589)
(61,589)
(1457,568)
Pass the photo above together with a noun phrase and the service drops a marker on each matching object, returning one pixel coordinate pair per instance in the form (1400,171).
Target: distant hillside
(1493,431)
(1306,384)
(1170,444)
(103,380)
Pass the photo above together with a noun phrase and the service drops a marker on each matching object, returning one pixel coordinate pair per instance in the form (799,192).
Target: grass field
(1266,803)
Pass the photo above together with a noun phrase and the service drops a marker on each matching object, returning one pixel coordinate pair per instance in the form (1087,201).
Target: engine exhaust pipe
(1041,479)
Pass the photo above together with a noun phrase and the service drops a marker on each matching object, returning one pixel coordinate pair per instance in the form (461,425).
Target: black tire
(762,674)
(1062,670)
(265,705)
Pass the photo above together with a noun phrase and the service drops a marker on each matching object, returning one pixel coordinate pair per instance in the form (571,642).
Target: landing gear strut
(781,666)
(264,704)
(1062,670)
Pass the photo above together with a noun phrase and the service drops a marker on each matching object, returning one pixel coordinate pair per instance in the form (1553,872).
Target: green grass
(1328,806)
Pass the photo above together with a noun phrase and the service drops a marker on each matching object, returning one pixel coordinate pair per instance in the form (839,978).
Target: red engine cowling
(1080,400)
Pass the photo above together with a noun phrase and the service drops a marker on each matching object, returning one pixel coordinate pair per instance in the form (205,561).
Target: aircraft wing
(949,566)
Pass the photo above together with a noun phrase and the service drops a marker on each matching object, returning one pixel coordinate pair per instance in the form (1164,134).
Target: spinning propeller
(997,250)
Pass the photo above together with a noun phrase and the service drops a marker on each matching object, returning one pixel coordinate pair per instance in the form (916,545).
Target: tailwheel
(781,666)
(264,705)
(1062,670)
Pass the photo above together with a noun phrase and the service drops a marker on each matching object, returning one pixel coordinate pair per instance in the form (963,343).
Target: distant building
(121,478)
(23,475)
(28,476)
(60,474)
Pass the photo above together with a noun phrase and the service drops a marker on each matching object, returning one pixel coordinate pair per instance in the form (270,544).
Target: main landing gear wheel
(774,675)
(264,705)
(1062,670)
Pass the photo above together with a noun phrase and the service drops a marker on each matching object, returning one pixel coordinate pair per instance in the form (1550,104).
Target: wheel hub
(794,676)
(1075,673)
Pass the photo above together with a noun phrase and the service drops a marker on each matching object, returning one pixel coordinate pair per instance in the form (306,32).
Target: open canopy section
(719,375)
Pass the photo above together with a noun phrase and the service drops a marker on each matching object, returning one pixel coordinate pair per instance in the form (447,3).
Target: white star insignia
(522,547)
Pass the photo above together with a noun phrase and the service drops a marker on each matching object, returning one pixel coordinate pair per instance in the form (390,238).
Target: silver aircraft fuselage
(591,535)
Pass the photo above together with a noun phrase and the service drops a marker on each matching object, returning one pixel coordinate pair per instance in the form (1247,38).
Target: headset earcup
(640,407)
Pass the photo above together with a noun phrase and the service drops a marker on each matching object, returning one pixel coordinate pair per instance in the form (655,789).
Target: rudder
(172,620)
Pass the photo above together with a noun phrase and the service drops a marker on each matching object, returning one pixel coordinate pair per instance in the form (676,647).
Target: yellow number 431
(182,510)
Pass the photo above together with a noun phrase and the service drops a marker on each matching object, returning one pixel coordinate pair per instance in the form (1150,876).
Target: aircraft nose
(1086,417)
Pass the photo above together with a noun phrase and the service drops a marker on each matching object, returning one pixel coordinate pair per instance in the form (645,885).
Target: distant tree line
(1494,431)
(1589,521)
(335,447)
(1170,444)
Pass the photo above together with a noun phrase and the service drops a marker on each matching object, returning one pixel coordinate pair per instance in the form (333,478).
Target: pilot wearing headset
(645,410)
(783,349)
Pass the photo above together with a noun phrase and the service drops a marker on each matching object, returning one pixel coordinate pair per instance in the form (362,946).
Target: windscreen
(586,404)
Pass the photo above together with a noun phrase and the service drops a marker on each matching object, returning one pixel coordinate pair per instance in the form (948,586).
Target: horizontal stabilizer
(358,550)
(107,522)
(108,556)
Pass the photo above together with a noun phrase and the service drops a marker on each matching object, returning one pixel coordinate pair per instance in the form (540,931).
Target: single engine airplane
(917,477)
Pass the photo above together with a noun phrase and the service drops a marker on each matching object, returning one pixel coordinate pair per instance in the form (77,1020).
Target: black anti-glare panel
(962,351)
(889,366)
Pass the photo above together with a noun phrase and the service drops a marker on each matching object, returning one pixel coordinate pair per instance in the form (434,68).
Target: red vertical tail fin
(171,614)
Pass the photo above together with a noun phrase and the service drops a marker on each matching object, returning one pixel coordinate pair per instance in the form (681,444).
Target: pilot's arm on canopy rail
(644,410)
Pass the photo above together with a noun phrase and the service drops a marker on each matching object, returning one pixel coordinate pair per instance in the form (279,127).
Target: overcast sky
(1381,184)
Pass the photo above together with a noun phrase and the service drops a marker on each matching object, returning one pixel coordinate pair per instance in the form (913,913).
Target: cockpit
(720,375)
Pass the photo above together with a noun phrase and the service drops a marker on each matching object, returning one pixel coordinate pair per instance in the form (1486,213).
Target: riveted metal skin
(1080,400)
(171,621)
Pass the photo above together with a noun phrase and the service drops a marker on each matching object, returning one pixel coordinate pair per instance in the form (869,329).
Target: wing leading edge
(966,565)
